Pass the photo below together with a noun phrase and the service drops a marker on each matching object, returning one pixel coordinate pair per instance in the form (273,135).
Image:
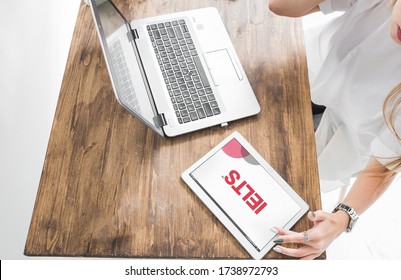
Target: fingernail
(277,249)
(274,230)
(313,214)
(278,241)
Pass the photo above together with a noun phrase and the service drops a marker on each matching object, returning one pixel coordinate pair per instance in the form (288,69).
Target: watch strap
(351,213)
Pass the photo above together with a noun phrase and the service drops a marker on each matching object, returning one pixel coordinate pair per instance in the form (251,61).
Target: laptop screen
(123,62)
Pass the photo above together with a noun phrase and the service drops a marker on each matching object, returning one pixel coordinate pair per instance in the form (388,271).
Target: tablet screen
(245,192)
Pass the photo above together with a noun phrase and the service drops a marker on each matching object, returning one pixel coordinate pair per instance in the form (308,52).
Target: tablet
(245,193)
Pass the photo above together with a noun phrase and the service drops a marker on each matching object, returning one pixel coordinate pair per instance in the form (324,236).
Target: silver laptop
(177,73)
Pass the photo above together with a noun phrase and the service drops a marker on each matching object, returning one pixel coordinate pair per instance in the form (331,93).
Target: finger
(301,252)
(281,231)
(317,216)
(293,237)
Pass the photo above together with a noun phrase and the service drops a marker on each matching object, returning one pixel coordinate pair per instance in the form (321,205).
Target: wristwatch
(353,216)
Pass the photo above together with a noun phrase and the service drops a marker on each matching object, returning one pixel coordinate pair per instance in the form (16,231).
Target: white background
(35,39)
(34,44)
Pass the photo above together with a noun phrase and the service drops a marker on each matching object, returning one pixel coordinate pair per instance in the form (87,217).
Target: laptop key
(178,33)
(216,111)
(181,106)
(186,119)
(214,104)
(211,97)
(171,32)
(201,113)
(208,109)
(201,71)
(184,113)
(193,116)
(156,33)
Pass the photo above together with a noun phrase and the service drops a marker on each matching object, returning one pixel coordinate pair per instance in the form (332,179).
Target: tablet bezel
(204,197)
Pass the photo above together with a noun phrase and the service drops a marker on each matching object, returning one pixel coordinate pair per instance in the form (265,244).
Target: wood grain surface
(111,187)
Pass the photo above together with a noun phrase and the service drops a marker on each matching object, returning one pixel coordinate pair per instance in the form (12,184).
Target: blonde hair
(392,108)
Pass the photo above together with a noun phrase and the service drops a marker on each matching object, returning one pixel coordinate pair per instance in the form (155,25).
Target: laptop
(177,73)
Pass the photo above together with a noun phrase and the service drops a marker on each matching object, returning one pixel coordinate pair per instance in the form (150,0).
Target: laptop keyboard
(189,89)
(127,92)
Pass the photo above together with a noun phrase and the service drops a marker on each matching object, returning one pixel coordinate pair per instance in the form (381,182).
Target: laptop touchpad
(222,67)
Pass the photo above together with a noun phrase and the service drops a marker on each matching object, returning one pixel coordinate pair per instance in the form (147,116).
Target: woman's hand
(395,23)
(326,228)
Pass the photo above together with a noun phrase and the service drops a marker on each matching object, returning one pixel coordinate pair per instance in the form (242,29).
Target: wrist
(342,220)
(352,214)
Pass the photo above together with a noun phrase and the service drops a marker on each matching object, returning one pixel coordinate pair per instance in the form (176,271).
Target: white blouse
(353,65)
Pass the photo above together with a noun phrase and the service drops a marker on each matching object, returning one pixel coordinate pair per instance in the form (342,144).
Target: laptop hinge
(132,34)
(160,120)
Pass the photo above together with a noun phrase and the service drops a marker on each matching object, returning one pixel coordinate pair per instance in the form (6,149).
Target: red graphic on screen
(235,150)
(244,190)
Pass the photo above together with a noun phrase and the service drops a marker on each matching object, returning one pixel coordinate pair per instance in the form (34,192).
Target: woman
(354,64)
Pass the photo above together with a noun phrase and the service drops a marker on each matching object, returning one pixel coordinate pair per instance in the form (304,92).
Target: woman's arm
(368,187)
(291,8)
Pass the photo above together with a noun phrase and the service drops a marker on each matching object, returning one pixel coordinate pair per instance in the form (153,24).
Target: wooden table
(111,187)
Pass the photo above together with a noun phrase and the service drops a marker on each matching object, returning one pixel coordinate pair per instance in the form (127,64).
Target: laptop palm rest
(222,67)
